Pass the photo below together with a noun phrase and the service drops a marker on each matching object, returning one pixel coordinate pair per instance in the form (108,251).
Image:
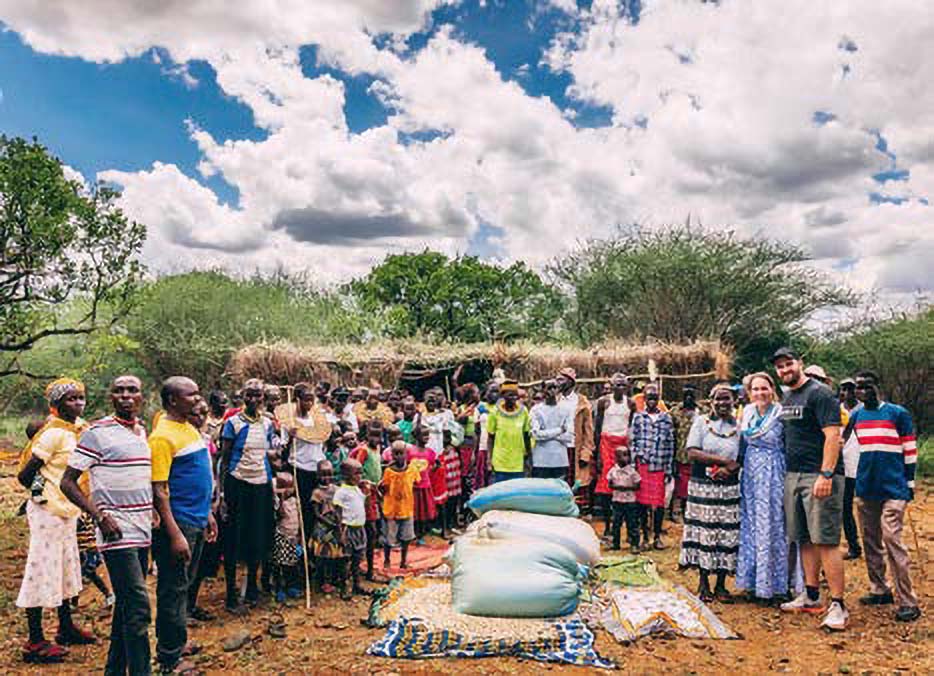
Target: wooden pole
(592,381)
(301,518)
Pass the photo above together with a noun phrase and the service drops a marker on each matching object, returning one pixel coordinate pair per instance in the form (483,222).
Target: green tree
(682,284)
(58,242)
(462,299)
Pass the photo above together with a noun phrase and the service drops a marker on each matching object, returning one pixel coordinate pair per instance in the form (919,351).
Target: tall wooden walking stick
(301,518)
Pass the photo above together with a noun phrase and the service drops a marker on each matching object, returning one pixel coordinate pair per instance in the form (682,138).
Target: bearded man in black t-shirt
(814,484)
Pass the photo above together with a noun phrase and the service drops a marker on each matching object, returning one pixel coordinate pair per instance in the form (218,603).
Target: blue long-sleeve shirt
(888,452)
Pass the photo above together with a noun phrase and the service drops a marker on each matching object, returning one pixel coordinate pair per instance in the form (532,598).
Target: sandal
(276,627)
(191,649)
(723,596)
(201,615)
(75,636)
(184,667)
(705,595)
(43,652)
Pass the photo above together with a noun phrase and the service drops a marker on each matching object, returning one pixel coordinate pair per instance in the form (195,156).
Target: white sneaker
(836,618)
(802,604)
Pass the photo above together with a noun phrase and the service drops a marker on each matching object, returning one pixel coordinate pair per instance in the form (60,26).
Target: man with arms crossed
(814,484)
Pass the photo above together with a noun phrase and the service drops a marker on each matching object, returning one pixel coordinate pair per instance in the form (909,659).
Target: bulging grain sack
(536,496)
(575,535)
(514,578)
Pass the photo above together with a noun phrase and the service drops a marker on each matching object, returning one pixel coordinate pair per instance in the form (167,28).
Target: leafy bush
(899,349)
(925,457)
(191,323)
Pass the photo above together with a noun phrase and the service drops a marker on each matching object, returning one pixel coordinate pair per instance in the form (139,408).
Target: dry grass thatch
(389,363)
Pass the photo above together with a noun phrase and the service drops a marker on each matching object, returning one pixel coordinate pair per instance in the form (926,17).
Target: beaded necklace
(718,433)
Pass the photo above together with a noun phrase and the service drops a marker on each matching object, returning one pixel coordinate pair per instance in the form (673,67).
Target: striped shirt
(888,452)
(117,458)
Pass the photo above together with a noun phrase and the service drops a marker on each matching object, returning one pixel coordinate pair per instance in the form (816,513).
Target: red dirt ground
(331,638)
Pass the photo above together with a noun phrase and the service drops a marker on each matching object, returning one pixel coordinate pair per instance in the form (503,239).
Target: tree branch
(29,342)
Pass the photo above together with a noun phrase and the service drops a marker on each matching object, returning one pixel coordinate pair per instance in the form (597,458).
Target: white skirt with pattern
(53,567)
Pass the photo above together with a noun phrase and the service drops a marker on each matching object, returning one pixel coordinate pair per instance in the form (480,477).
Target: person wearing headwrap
(579,438)
(710,541)
(52,576)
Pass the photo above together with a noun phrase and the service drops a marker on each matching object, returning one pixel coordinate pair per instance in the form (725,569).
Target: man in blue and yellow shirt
(182,482)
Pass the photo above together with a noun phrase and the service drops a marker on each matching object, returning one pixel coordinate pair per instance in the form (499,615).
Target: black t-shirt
(805,412)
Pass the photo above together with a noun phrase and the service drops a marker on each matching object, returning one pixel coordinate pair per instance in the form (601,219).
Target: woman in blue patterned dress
(762,564)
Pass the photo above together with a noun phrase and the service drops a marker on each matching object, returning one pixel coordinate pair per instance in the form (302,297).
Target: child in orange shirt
(397,490)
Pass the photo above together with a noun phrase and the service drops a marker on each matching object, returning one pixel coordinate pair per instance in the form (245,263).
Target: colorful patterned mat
(420,623)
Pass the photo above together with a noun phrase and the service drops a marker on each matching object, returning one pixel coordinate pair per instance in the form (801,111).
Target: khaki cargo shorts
(813,520)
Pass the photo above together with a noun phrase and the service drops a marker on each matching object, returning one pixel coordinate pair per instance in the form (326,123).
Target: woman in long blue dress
(762,562)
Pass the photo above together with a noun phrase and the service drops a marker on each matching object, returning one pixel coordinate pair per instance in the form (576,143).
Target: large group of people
(764,486)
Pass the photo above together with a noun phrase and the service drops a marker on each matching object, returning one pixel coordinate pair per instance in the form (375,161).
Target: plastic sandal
(75,636)
(43,652)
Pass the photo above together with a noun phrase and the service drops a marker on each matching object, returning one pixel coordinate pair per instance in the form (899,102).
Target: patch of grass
(13,430)
(925,457)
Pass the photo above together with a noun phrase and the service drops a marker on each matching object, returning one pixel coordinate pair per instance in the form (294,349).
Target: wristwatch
(827,473)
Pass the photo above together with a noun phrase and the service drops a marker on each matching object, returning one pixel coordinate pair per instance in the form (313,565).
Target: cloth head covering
(718,387)
(253,384)
(59,389)
(509,386)
(618,376)
(568,373)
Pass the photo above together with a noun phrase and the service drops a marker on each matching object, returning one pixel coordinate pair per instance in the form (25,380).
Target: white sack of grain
(575,535)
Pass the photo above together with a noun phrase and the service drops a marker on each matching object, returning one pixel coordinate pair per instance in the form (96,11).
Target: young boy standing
(352,503)
(623,478)
(397,487)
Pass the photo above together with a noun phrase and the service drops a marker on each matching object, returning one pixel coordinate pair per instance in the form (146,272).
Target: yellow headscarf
(54,392)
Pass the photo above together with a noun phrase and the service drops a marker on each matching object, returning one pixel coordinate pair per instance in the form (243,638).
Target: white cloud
(712,104)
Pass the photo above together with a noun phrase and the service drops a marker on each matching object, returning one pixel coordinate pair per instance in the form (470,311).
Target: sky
(320,135)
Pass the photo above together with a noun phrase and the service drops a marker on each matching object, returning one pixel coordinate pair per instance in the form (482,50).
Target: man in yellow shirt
(182,483)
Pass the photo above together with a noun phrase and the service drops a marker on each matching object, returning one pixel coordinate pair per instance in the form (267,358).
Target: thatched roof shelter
(418,366)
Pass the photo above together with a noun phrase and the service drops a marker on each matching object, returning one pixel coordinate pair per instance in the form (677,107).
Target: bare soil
(331,637)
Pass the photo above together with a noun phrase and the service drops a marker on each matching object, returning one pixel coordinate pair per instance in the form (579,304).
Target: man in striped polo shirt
(115,454)
(885,481)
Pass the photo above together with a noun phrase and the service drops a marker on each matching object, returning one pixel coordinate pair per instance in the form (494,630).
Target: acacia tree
(459,299)
(58,243)
(682,284)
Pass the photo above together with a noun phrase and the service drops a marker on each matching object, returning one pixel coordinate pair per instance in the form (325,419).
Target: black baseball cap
(784,353)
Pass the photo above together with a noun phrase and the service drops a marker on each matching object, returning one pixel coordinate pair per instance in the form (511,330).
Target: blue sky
(126,115)
(323,134)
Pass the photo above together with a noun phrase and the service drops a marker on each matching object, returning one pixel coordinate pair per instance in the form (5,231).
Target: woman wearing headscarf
(711,522)
(762,565)
(52,576)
